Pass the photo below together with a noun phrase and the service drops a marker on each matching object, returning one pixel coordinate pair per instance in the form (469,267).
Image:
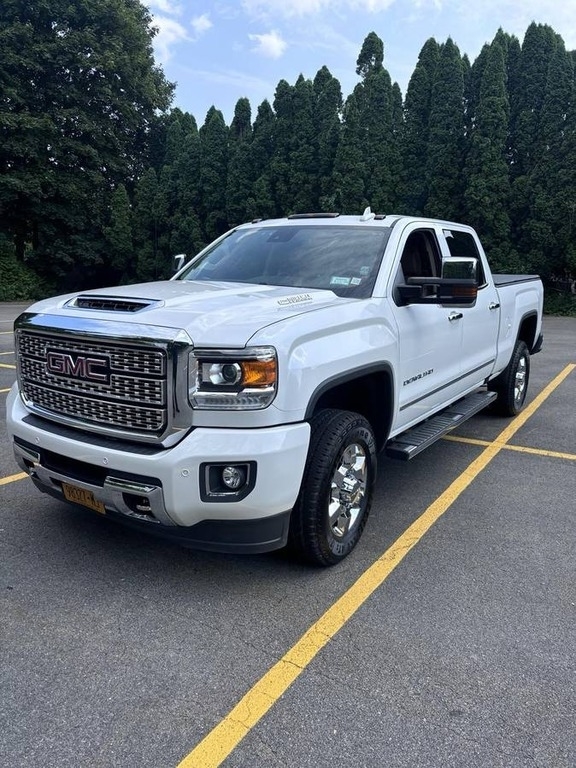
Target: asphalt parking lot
(448,638)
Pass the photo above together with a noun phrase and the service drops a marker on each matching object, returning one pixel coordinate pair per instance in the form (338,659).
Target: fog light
(233,477)
(224,482)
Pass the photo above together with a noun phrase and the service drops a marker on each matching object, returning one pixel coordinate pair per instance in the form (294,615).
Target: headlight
(233,379)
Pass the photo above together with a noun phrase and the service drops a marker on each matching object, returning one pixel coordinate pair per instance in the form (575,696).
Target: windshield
(344,259)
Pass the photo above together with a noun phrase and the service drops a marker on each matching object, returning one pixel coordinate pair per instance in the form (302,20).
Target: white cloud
(291,8)
(241,80)
(270,44)
(165,6)
(170,32)
(201,24)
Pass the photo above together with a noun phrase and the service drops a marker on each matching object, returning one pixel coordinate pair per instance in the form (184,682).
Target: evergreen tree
(280,163)
(395,154)
(543,88)
(545,235)
(213,173)
(326,118)
(260,203)
(146,226)
(240,178)
(446,136)
(371,56)
(377,139)
(349,165)
(487,194)
(303,155)
(414,141)
(118,236)
(186,232)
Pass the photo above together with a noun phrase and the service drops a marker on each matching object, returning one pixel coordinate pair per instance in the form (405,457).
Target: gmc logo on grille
(85,367)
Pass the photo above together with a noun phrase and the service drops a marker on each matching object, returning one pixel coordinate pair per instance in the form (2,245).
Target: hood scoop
(111,303)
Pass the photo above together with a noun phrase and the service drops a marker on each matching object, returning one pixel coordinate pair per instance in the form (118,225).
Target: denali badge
(76,366)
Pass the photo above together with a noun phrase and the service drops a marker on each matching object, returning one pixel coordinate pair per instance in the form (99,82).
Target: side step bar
(413,441)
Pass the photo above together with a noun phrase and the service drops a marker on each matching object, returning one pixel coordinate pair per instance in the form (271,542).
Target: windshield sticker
(355,281)
(298,299)
(339,280)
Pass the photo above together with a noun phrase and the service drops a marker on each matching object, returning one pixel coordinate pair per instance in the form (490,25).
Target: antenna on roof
(367,215)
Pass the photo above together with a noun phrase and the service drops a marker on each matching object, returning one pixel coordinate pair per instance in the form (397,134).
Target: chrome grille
(129,359)
(135,400)
(121,387)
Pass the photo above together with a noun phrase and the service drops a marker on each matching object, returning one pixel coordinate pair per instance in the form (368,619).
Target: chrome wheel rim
(348,490)
(520,381)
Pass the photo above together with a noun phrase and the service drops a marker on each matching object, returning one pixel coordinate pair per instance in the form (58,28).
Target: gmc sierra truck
(240,406)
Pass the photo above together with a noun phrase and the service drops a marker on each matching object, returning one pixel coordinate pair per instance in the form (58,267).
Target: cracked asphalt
(122,650)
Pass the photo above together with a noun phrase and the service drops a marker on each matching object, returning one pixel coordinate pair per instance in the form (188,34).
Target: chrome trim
(449,384)
(110,494)
(175,344)
(129,486)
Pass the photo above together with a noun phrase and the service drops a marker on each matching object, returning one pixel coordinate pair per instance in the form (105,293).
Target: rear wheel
(511,385)
(336,494)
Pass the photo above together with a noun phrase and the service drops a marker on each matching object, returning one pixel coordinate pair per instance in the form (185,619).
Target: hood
(212,313)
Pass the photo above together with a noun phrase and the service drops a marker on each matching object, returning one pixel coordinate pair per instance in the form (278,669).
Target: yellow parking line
(5,333)
(6,365)
(4,390)
(467,440)
(12,478)
(219,743)
(518,448)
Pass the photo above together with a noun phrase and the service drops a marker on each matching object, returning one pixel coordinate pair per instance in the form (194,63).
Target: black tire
(328,519)
(511,385)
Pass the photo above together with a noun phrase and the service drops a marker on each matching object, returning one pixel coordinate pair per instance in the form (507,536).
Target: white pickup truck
(240,406)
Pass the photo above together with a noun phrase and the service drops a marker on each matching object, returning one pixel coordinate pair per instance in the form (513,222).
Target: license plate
(83,497)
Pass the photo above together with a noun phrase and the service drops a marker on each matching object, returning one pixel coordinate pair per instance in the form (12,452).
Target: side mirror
(438,290)
(178,262)
(460,269)
(458,285)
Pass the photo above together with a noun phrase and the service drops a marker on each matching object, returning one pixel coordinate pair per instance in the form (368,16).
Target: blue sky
(220,51)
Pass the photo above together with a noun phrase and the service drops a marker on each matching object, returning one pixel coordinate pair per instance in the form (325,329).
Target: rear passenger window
(463,246)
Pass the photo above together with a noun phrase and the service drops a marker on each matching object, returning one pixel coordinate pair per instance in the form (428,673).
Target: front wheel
(336,494)
(511,386)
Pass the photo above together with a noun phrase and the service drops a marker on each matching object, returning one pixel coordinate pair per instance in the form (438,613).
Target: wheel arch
(368,391)
(527,330)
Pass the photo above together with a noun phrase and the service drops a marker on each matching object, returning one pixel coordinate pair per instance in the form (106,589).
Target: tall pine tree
(444,157)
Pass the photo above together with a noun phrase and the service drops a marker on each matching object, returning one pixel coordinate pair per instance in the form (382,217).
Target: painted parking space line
(4,390)
(6,353)
(517,448)
(13,478)
(229,732)
(6,365)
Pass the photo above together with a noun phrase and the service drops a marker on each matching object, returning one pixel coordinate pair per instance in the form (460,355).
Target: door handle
(455,316)
(494,305)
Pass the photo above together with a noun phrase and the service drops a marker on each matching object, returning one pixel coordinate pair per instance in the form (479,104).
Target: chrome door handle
(455,316)
(494,305)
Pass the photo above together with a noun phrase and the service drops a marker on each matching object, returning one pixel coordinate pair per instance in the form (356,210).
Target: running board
(413,441)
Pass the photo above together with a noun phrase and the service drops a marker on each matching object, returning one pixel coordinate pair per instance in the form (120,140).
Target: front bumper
(159,490)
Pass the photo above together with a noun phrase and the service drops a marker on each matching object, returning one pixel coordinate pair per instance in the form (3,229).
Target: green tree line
(102,182)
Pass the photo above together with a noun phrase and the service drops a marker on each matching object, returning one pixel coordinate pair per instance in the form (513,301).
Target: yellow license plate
(83,497)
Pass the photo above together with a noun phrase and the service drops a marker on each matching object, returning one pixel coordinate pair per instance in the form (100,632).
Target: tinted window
(463,246)
(344,260)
